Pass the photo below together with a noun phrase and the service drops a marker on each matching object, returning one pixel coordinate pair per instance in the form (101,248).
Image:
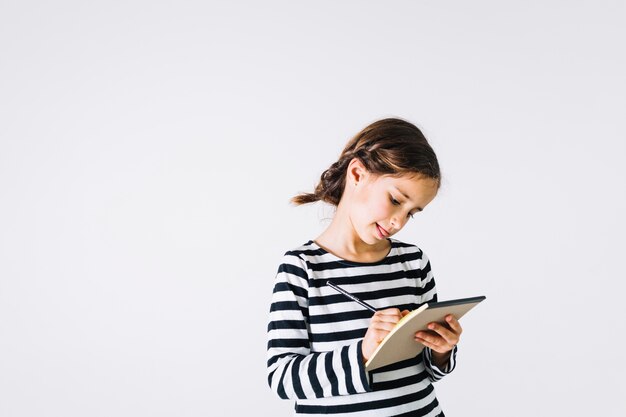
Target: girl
(318,339)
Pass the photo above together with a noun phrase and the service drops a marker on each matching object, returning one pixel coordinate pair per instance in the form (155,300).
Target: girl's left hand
(441,338)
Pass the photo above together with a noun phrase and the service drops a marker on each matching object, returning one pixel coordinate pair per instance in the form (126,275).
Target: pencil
(350,296)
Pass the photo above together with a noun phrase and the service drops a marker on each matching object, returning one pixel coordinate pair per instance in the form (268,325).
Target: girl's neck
(350,247)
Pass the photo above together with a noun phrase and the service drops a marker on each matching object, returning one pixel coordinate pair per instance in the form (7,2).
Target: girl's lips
(382,231)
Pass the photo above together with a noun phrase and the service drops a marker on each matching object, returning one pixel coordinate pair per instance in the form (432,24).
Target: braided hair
(389,146)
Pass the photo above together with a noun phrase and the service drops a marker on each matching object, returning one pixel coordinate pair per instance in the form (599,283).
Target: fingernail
(431,326)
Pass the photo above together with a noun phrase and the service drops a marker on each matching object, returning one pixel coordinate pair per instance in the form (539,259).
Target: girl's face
(381,206)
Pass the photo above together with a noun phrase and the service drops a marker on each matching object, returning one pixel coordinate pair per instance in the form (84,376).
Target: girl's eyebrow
(407,197)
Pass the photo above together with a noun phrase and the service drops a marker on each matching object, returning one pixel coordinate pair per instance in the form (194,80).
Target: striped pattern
(315,334)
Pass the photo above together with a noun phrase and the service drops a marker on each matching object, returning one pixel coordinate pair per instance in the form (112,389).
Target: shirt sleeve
(293,371)
(428,292)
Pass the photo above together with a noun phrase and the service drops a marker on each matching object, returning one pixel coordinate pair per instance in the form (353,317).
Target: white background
(148,151)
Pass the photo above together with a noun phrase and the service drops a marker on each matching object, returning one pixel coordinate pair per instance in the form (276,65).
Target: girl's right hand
(381,323)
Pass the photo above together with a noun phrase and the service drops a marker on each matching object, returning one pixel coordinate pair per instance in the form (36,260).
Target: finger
(449,336)
(392,310)
(434,342)
(405,312)
(387,319)
(379,335)
(454,324)
(388,312)
(435,348)
(384,325)
(389,316)
(426,343)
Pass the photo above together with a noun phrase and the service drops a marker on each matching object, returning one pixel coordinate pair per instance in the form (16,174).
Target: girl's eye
(396,203)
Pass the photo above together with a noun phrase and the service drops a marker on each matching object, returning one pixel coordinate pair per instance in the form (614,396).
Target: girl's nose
(396,224)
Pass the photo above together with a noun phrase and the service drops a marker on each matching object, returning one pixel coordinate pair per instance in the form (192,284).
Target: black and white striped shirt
(315,334)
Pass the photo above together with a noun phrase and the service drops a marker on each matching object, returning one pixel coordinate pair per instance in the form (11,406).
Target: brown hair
(389,146)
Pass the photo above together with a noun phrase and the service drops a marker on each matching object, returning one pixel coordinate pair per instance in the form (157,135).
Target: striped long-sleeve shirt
(315,334)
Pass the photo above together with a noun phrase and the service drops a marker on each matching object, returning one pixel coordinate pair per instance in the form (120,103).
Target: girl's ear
(356,172)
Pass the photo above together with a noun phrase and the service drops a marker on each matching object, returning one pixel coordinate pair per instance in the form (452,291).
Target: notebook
(400,343)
